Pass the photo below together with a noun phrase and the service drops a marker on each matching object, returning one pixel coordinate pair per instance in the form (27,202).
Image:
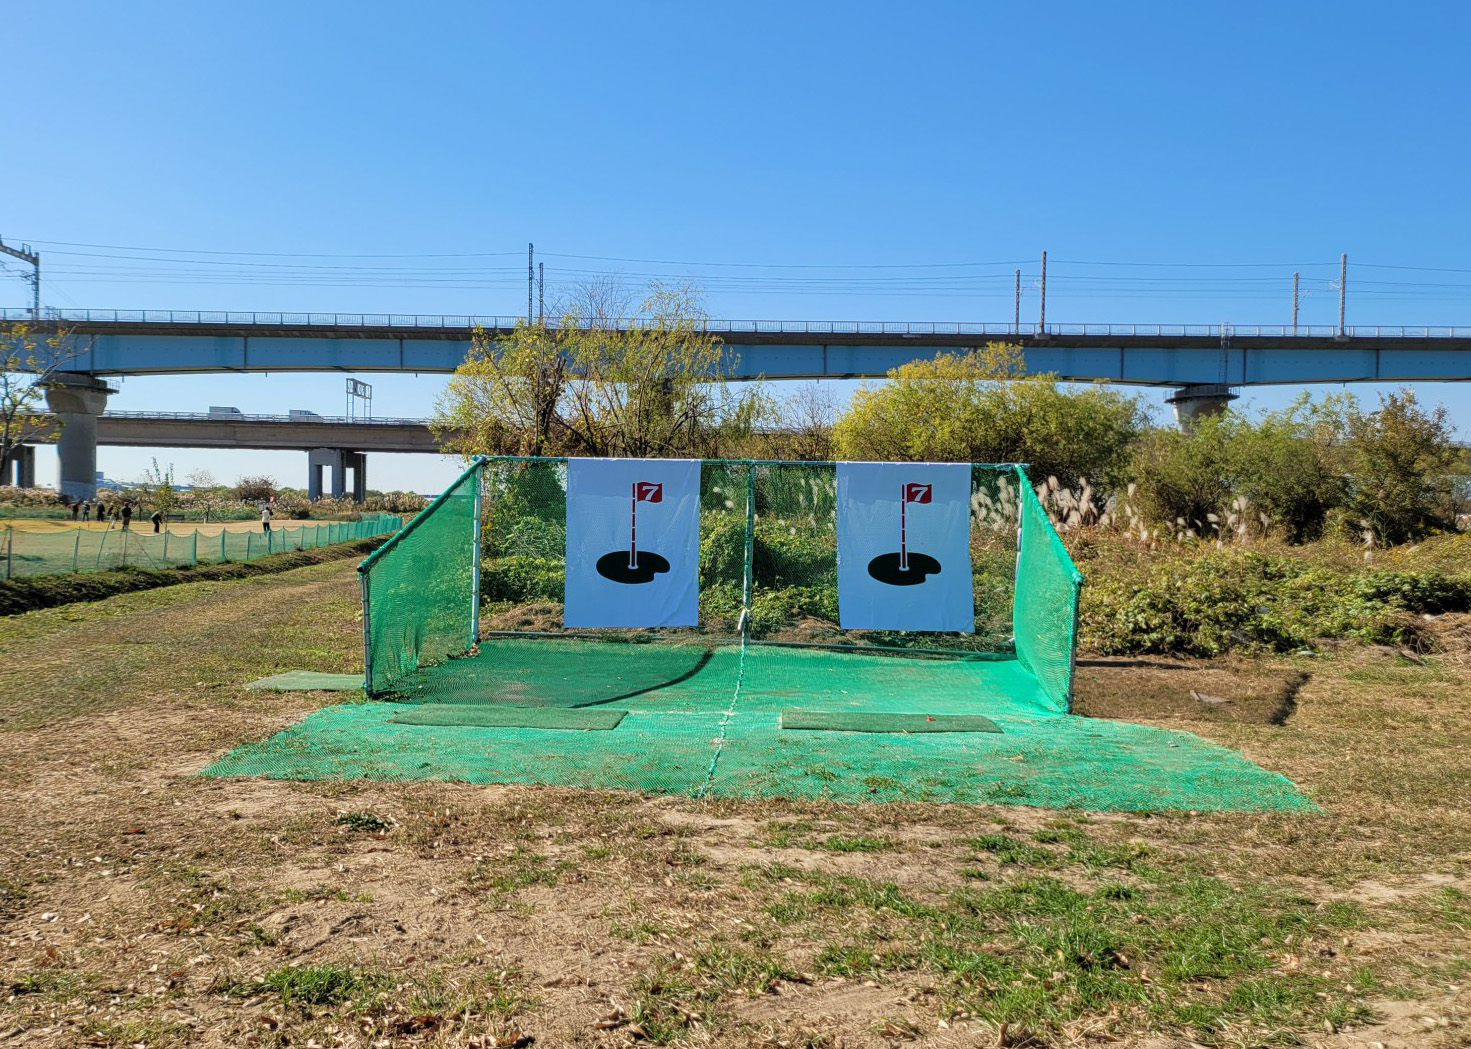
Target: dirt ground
(143,905)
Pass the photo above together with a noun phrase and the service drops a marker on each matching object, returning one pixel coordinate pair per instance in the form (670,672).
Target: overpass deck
(147,342)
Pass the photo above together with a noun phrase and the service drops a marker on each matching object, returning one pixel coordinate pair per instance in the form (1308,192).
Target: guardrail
(469,322)
(242,417)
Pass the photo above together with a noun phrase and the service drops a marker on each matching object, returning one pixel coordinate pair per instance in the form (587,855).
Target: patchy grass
(135,893)
(366,822)
(322,984)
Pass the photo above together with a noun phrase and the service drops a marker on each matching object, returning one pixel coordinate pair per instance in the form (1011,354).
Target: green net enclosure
(421,588)
(767,687)
(769,625)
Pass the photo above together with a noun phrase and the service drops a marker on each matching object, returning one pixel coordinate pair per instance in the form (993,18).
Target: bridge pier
(339,462)
(1198,401)
(77,401)
(23,456)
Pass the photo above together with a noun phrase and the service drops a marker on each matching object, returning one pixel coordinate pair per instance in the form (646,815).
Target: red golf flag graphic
(912,492)
(643,492)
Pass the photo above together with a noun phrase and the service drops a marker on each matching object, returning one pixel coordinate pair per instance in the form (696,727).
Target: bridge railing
(232,417)
(469,322)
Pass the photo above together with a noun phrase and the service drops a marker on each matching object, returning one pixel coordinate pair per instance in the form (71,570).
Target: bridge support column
(24,474)
(1198,401)
(77,401)
(339,462)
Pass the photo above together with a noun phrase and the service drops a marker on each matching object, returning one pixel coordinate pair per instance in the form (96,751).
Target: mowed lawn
(143,905)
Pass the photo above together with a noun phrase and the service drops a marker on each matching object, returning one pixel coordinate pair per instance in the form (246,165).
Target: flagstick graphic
(900,569)
(633,527)
(624,564)
(903,528)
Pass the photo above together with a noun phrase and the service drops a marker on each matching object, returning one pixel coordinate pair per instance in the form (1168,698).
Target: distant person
(76,510)
(265,518)
(127,514)
(157,520)
(86,511)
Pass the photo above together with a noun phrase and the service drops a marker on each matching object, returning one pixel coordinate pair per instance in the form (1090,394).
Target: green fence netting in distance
(25,554)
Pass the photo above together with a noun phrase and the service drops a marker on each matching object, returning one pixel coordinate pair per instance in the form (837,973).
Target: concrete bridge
(335,444)
(1203,363)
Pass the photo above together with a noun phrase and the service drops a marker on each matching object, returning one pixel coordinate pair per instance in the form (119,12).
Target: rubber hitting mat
(851,721)
(467,716)
(309,681)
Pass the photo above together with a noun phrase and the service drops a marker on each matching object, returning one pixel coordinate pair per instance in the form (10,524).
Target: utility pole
(1042,323)
(1016,319)
(1342,292)
(530,277)
(1295,277)
(25,254)
(541,292)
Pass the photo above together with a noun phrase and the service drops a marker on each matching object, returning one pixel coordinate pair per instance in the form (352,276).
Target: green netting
(419,588)
(94,549)
(705,705)
(1045,612)
(686,738)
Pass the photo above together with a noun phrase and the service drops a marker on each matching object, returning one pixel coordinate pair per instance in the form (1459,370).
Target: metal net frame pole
(479,532)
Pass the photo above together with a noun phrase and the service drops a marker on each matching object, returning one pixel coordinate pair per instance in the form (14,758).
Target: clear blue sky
(794,139)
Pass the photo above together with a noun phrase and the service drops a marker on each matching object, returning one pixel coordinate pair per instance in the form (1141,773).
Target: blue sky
(777,146)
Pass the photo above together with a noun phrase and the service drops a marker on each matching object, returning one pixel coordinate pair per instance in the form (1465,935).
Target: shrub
(1208,604)
(519,579)
(255,489)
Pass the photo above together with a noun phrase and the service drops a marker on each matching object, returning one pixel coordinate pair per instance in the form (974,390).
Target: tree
(590,386)
(802,427)
(981,406)
(255,489)
(1282,464)
(1401,463)
(157,489)
(29,362)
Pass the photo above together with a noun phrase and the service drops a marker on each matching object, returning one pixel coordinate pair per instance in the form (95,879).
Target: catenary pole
(1042,321)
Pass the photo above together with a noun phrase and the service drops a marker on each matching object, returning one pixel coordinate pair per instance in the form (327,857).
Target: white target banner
(904,547)
(633,543)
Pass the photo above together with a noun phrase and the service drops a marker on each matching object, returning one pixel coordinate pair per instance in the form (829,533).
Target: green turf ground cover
(708,722)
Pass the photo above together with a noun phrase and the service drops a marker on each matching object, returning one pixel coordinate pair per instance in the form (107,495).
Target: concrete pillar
(359,463)
(331,459)
(339,462)
(77,400)
(1198,401)
(25,466)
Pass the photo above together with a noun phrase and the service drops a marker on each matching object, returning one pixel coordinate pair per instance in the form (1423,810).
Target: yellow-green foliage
(979,407)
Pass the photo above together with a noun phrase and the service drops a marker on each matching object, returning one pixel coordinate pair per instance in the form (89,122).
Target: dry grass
(140,904)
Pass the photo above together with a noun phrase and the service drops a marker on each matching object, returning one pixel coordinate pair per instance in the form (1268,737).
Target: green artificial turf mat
(309,681)
(852,721)
(499,716)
